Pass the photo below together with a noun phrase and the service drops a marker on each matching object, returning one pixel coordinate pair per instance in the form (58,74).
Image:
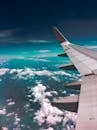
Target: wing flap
(63,54)
(75,85)
(69,103)
(68,99)
(67,66)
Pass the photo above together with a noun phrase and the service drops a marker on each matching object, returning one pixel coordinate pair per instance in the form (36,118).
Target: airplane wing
(85,61)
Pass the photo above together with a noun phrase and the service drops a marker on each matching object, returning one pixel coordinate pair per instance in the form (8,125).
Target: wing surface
(84,59)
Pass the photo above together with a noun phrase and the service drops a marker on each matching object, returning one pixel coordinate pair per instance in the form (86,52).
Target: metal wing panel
(85,64)
(78,61)
(92,63)
(84,59)
(87,110)
(89,52)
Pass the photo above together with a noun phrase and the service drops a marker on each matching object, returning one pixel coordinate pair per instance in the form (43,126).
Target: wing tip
(59,35)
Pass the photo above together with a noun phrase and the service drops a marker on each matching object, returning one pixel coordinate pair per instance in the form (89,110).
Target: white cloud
(49,114)
(10,114)
(52,114)
(62,73)
(44,51)
(2,111)
(4,59)
(26,71)
(4,128)
(30,73)
(11,103)
(17,120)
(38,59)
(44,73)
(39,41)
(3,71)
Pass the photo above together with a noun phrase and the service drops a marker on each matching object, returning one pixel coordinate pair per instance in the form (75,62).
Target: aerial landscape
(31,73)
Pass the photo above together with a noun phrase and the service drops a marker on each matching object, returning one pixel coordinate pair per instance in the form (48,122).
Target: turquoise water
(24,66)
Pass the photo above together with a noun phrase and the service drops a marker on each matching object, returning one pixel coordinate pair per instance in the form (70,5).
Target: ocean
(29,79)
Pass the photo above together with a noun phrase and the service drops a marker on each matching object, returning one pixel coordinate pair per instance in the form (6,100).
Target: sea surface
(29,79)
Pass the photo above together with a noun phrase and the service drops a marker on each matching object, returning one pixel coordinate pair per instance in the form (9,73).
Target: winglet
(59,35)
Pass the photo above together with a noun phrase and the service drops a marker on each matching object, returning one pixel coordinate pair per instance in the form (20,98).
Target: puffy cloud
(11,103)
(48,114)
(44,73)
(2,111)
(38,92)
(4,59)
(3,71)
(27,73)
(15,71)
(16,120)
(4,128)
(62,73)
(10,114)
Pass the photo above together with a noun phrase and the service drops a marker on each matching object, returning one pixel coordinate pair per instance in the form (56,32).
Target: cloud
(10,102)
(44,51)
(26,71)
(44,73)
(31,73)
(4,59)
(4,128)
(3,71)
(2,111)
(38,59)
(39,41)
(62,73)
(48,114)
(92,47)
(17,120)
(7,34)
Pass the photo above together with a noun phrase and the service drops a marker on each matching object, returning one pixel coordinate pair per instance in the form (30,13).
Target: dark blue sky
(26,20)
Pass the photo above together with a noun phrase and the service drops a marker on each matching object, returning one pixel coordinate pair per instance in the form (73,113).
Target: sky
(23,20)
